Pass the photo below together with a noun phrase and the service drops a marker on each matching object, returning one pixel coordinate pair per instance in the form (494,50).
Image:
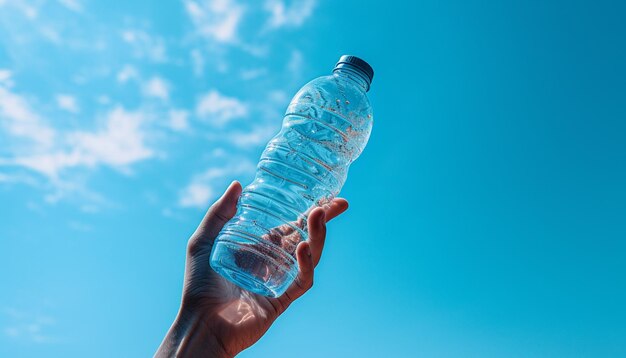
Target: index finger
(336,207)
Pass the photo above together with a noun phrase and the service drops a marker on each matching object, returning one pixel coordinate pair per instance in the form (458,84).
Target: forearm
(188,337)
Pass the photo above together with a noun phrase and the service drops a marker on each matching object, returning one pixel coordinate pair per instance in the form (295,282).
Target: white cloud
(50,34)
(295,62)
(20,120)
(197,62)
(202,188)
(218,153)
(5,77)
(220,109)
(79,226)
(67,102)
(48,163)
(75,188)
(215,19)
(28,10)
(145,45)
(103,99)
(257,136)
(278,96)
(178,119)
(294,15)
(196,195)
(28,327)
(127,72)
(252,73)
(73,5)
(119,144)
(156,87)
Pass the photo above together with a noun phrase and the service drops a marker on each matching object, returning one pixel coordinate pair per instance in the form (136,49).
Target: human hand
(216,317)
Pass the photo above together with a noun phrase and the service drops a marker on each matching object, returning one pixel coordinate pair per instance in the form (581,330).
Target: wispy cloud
(178,119)
(120,143)
(145,46)
(197,62)
(278,97)
(219,109)
(196,195)
(21,121)
(289,15)
(205,186)
(67,102)
(73,5)
(215,19)
(28,10)
(79,226)
(5,77)
(29,327)
(127,73)
(255,136)
(253,73)
(157,87)
(295,63)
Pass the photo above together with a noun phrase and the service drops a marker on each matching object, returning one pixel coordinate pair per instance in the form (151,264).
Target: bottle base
(257,267)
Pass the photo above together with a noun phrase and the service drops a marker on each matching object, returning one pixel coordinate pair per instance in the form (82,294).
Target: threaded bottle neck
(354,74)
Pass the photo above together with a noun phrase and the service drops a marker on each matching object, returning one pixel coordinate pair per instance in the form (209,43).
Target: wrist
(189,336)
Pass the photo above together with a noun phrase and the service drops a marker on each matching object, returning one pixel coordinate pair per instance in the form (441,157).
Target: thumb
(218,214)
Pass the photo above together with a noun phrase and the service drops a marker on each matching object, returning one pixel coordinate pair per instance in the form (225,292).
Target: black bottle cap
(367,70)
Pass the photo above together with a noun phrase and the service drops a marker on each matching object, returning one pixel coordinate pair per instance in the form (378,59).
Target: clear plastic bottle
(325,128)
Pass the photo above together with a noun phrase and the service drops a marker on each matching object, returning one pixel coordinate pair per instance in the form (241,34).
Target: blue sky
(488,212)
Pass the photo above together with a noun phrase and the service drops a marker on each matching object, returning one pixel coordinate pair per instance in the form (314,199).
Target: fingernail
(307,250)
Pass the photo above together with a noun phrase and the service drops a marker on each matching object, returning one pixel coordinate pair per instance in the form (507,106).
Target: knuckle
(308,284)
(217,213)
(193,245)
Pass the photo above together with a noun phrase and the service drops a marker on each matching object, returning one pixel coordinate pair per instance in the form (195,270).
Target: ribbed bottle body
(325,128)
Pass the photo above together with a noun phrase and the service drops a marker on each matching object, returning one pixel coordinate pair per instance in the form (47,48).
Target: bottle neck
(353,74)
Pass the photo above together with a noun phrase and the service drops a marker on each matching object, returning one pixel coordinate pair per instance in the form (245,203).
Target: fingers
(217,215)
(336,207)
(304,280)
(278,234)
(317,233)
(308,252)
(305,263)
(317,225)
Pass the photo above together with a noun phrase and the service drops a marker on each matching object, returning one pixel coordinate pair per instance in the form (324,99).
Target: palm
(238,317)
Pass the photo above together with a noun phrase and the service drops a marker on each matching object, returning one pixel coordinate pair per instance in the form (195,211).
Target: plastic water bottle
(325,128)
